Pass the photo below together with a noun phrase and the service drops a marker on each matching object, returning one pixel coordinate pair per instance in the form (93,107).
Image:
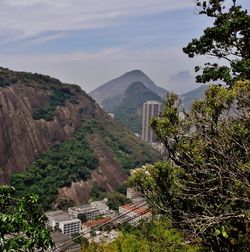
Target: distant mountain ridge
(125,95)
(117,86)
(129,109)
(195,94)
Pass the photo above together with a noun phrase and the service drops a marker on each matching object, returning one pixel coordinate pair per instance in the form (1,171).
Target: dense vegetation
(8,77)
(157,236)
(204,187)
(129,111)
(128,106)
(129,151)
(65,162)
(74,159)
(22,223)
(228,40)
(58,92)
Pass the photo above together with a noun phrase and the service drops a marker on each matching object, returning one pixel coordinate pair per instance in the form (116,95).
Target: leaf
(224,232)
(217,232)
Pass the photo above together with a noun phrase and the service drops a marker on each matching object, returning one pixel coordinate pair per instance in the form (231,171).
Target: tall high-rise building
(150,109)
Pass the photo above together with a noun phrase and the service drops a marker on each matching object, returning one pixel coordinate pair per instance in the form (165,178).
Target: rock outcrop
(22,138)
(37,112)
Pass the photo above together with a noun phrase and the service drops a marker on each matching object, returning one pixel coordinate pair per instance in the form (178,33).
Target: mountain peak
(118,85)
(135,72)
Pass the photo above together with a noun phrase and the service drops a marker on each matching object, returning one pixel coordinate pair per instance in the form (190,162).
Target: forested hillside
(53,134)
(129,108)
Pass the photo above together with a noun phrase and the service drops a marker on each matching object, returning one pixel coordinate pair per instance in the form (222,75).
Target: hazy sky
(89,42)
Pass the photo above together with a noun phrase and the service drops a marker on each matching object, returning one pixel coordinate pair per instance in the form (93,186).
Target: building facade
(150,109)
(91,211)
(90,225)
(132,213)
(60,220)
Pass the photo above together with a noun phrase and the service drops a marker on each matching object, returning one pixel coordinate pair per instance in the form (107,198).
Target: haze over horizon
(91,42)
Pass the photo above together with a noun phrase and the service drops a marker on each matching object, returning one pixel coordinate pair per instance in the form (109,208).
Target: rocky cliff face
(22,138)
(38,112)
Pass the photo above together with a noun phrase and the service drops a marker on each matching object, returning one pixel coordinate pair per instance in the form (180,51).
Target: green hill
(58,143)
(129,109)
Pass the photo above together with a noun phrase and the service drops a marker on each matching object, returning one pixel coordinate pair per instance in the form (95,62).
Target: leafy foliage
(228,39)
(189,97)
(65,162)
(22,224)
(157,236)
(59,92)
(8,77)
(64,204)
(205,186)
(82,217)
(73,160)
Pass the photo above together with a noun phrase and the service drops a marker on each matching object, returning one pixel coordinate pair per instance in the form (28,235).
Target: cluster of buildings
(97,214)
(68,223)
(91,211)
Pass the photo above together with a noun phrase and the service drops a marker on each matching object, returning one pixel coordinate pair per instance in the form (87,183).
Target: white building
(63,221)
(150,109)
(92,210)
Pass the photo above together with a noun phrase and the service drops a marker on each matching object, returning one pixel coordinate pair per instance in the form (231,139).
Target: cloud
(182,81)
(91,69)
(22,19)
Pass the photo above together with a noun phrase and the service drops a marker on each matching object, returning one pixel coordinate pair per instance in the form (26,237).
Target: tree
(157,236)
(204,187)
(22,224)
(82,217)
(228,39)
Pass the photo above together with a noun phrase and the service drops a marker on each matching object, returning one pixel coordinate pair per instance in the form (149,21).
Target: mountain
(117,86)
(195,94)
(129,109)
(124,96)
(58,143)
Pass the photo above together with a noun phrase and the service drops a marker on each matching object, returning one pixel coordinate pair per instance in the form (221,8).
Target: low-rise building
(60,220)
(133,213)
(64,243)
(91,211)
(90,225)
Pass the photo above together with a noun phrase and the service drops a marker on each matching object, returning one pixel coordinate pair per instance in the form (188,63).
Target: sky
(89,42)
